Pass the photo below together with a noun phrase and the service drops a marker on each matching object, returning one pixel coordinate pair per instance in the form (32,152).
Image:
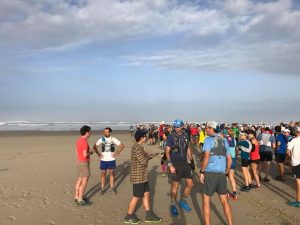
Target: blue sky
(150,60)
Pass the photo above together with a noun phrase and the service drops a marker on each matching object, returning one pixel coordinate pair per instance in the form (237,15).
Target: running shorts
(214,182)
(183,170)
(245,162)
(108,165)
(140,189)
(266,156)
(280,158)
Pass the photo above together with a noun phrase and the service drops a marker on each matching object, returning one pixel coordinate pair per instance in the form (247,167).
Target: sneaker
(164,175)
(113,191)
(234,197)
(132,219)
(83,202)
(152,218)
(295,204)
(183,204)
(174,211)
(266,179)
(245,189)
(101,191)
(280,178)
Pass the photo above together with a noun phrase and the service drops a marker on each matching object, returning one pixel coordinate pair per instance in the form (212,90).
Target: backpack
(219,149)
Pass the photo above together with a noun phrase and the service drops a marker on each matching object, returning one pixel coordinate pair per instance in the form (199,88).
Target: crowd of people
(215,146)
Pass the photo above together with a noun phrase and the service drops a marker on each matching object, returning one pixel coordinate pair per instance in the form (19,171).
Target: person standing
(293,151)
(140,178)
(177,152)
(281,142)
(83,165)
(107,156)
(216,165)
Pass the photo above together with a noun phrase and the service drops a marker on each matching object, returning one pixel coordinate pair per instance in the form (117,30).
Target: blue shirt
(216,164)
(283,142)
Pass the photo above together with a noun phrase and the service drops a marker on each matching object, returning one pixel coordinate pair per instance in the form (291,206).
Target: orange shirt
(82,145)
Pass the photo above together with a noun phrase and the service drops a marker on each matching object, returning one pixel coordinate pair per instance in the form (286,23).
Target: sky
(149,60)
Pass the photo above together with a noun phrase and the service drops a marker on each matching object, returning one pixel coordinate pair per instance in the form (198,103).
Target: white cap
(212,124)
(286,130)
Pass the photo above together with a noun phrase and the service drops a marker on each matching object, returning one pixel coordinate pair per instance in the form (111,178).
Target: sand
(38,173)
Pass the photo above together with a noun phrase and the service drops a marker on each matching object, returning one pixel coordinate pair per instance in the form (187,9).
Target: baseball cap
(286,130)
(139,133)
(212,124)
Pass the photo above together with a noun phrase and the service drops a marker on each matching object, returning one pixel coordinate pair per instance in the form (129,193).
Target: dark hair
(108,128)
(267,128)
(84,130)
(137,139)
(251,132)
(278,129)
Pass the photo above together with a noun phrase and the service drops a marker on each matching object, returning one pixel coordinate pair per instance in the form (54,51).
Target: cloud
(231,34)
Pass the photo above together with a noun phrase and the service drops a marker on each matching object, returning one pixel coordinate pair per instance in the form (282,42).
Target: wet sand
(38,173)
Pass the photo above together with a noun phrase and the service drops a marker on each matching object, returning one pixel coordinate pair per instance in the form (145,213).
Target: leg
(255,175)
(82,187)
(132,205)
(248,175)
(146,201)
(232,180)
(226,208)
(174,188)
(245,174)
(281,169)
(206,208)
(298,189)
(267,170)
(103,177)
(77,186)
(188,187)
(112,177)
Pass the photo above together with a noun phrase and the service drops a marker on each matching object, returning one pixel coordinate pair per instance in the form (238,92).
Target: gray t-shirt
(265,142)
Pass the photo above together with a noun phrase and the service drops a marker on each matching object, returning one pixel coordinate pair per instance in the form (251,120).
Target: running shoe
(183,204)
(266,179)
(233,197)
(174,211)
(153,218)
(83,202)
(132,219)
(245,189)
(113,191)
(101,191)
(295,204)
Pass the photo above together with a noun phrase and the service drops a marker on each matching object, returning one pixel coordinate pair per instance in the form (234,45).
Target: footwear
(132,219)
(245,189)
(113,191)
(174,211)
(101,191)
(280,178)
(152,218)
(183,204)
(295,204)
(83,202)
(234,197)
(164,175)
(266,179)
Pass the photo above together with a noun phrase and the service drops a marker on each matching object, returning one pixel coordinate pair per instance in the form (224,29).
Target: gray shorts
(83,169)
(183,170)
(214,182)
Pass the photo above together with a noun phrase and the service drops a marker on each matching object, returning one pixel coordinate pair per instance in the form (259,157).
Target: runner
(177,152)
(254,158)
(281,142)
(216,165)
(139,176)
(294,152)
(107,156)
(163,161)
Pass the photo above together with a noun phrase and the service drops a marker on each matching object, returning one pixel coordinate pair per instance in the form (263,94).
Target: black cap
(139,133)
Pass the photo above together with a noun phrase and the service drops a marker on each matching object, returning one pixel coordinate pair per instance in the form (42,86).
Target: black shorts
(266,156)
(140,189)
(214,182)
(296,171)
(183,170)
(245,162)
(256,161)
(280,158)
(161,138)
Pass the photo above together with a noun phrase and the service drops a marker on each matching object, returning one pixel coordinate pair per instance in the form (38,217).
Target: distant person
(254,158)
(280,151)
(108,158)
(214,169)
(177,152)
(294,152)
(266,146)
(140,178)
(83,164)
(131,130)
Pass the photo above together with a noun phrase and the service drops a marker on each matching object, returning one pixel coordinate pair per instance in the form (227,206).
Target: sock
(173,203)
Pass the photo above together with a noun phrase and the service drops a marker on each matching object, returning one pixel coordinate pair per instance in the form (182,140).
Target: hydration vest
(219,149)
(176,147)
(106,148)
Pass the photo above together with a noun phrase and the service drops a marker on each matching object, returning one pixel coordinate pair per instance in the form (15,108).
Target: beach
(38,174)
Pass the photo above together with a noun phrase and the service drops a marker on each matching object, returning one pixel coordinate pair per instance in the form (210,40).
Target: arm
(204,165)
(96,150)
(121,146)
(168,156)
(228,164)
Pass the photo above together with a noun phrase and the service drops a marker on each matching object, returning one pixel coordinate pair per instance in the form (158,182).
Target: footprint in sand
(12,218)
(50,222)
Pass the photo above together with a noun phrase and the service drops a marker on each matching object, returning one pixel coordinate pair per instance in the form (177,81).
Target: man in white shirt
(107,156)
(293,151)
